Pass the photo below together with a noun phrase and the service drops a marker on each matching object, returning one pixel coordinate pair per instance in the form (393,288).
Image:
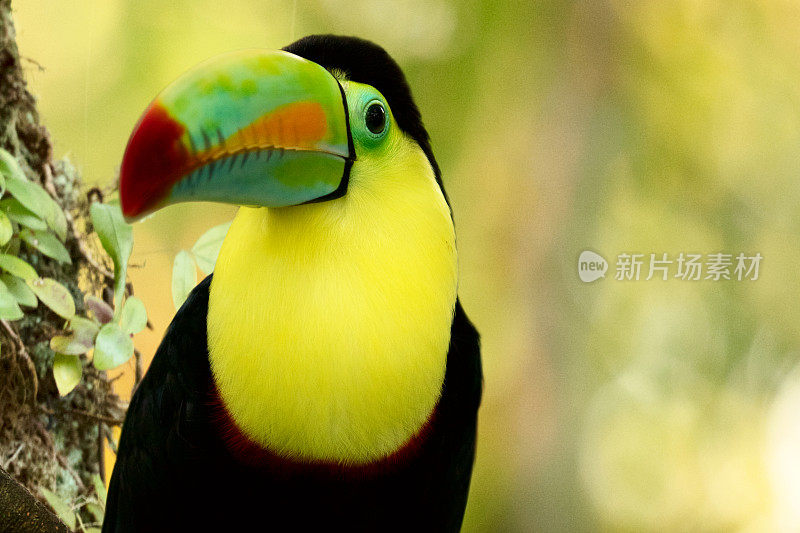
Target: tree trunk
(22,512)
(47,441)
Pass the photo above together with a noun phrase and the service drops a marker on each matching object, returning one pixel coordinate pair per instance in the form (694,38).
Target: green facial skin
(359,98)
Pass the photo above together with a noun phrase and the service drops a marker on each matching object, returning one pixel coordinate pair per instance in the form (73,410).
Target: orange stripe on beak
(295,126)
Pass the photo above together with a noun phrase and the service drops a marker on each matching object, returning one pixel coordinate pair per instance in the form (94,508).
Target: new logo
(591,266)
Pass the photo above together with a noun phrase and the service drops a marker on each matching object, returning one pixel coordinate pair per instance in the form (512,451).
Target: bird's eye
(375,118)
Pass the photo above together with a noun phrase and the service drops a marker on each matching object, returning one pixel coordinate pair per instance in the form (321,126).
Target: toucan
(325,377)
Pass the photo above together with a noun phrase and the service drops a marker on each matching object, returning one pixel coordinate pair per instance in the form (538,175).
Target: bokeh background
(560,126)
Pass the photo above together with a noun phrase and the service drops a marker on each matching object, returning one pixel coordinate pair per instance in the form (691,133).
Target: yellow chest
(329,323)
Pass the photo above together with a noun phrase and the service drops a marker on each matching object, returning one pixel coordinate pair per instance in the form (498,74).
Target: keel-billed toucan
(325,377)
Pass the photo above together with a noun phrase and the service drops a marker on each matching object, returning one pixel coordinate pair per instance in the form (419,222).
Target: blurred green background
(614,126)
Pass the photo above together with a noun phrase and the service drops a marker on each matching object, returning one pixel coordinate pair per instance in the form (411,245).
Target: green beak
(255,127)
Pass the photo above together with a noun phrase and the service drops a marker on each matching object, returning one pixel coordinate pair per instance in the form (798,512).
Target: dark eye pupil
(376,118)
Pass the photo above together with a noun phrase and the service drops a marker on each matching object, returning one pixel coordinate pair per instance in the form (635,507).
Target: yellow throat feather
(329,323)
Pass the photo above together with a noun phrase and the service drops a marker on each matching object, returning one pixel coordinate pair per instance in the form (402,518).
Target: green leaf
(61,508)
(23,294)
(67,371)
(32,196)
(97,513)
(19,214)
(53,295)
(102,311)
(9,166)
(18,267)
(134,316)
(9,309)
(206,249)
(116,236)
(112,347)
(100,489)
(184,277)
(79,341)
(6,230)
(2,184)
(46,243)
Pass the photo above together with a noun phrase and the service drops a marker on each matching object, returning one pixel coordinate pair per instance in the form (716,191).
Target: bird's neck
(329,323)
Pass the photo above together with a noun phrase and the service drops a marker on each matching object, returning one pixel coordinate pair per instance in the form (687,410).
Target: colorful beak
(256,127)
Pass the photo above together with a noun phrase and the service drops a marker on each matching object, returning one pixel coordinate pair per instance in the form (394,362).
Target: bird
(325,376)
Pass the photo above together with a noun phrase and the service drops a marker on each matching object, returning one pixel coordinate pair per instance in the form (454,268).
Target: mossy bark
(22,512)
(47,441)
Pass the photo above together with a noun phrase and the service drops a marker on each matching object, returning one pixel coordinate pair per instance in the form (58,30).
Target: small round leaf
(184,278)
(18,267)
(67,372)
(80,339)
(206,249)
(112,347)
(20,290)
(134,316)
(21,215)
(53,295)
(6,231)
(47,243)
(101,310)
(9,309)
